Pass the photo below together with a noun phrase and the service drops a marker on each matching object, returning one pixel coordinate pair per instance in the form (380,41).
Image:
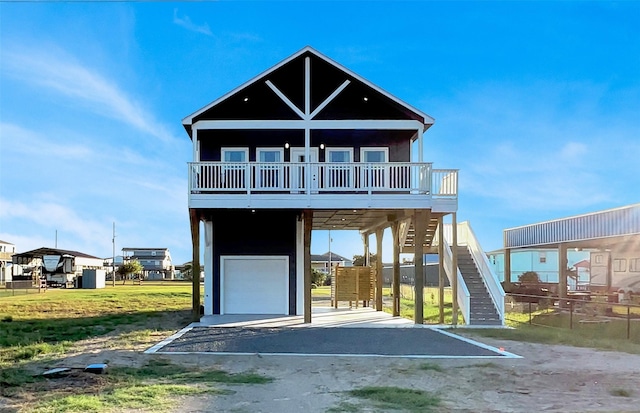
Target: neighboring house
(7,250)
(156,262)
(306,145)
(109,265)
(322,262)
(543,261)
(184,271)
(612,238)
(56,265)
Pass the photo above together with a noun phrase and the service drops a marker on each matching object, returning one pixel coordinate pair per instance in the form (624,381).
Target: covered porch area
(412,231)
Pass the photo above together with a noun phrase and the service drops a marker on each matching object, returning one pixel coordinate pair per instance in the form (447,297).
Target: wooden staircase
(483,311)
(407,236)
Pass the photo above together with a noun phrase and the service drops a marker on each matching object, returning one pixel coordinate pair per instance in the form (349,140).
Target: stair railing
(464,297)
(467,237)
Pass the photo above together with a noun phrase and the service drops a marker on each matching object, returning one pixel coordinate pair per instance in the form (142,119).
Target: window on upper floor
(542,256)
(269,154)
(374,155)
(634,265)
(336,155)
(235,154)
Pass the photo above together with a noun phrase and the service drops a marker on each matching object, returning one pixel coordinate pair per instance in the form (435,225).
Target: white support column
(420,145)
(365,241)
(208,267)
(196,145)
(300,266)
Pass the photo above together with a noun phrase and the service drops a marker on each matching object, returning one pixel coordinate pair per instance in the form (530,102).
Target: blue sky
(537,104)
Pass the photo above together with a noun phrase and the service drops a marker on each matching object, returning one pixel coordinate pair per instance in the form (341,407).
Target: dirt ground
(548,378)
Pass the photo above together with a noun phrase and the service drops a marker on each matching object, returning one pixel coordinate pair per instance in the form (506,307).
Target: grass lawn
(553,327)
(37,329)
(431,309)
(39,323)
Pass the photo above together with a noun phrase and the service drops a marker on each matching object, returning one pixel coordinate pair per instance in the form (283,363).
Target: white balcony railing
(319,177)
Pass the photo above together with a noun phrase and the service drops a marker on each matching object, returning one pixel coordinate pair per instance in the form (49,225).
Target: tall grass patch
(48,323)
(398,398)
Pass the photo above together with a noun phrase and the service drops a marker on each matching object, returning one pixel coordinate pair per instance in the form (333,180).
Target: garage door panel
(255,285)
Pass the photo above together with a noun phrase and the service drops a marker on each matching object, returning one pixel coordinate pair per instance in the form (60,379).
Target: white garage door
(254,285)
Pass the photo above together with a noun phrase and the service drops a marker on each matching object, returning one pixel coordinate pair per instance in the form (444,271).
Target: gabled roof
(325,257)
(426,119)
(144,249)
(5,242)
(38,253)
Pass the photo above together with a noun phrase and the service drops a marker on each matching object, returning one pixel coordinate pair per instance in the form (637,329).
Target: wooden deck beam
(379,269)
(420,223)
(395,233)
(194,219)
(308,225)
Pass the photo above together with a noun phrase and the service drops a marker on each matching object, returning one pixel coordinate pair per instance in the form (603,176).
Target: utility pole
(329,252)
(56,243)
(113,262)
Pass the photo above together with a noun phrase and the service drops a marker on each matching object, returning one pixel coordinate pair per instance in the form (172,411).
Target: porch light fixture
(246,99)
(286,145)
(322,146)
(366,99)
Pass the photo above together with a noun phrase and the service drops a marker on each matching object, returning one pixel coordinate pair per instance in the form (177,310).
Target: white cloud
(540,147)
(22,141)
(185,21)
(56,70)
(47,216)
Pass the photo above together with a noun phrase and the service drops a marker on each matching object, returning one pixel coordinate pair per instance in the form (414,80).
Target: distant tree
(572,273)
(358,260)
(529,277)
(128,269)
(187,271)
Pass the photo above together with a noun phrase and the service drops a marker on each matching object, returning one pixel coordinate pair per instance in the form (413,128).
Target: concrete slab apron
(322,341)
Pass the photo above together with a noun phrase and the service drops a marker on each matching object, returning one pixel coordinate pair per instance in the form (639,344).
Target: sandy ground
(548,378)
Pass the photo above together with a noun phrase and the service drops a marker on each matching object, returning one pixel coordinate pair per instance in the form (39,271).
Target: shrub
(529,277)
(318,277)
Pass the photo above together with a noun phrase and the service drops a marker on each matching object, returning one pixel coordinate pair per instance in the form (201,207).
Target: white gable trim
(330,98)
(428,120)
(285,99)
(311,124)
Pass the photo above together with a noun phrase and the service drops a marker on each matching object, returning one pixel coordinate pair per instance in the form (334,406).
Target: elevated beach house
(306,145)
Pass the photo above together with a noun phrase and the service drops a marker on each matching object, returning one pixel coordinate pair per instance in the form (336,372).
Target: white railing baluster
(367,178)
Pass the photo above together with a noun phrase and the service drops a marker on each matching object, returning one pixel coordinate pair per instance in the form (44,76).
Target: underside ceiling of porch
(368,220)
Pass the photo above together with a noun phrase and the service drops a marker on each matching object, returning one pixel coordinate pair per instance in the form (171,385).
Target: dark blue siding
(263,232)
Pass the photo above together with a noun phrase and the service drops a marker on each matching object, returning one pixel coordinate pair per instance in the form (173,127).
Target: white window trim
(374,175)
(328,150)
(374,149)
(265,168)
(234,149)
(329,183)
(272,149)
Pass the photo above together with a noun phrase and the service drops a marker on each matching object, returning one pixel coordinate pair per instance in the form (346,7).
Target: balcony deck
(319,185)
